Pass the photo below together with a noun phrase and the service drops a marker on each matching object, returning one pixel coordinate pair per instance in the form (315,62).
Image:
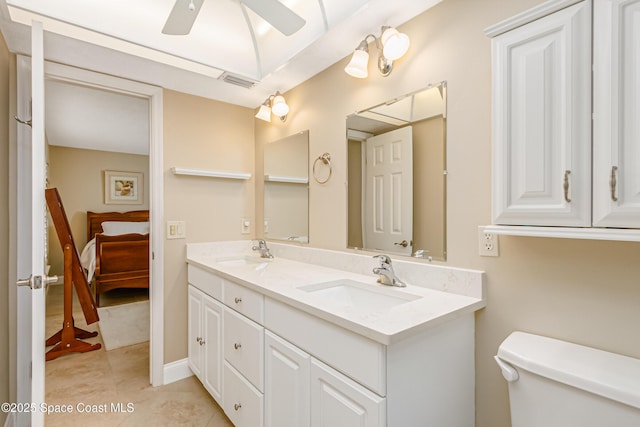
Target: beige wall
(5,64)
(203,134)
(582,291)
(79,177)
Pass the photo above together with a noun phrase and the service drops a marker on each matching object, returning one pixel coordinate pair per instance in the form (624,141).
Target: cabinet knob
(237,345)
(238,300)
(201,342)
(198,340)
(237,406)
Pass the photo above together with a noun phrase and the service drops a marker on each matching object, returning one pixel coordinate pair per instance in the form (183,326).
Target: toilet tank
(554,383)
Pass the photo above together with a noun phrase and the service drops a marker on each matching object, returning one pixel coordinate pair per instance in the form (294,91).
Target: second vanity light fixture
(391,45)
(273,104)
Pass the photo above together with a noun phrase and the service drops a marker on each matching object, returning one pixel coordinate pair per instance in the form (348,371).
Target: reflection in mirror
(286,188)
(397,175)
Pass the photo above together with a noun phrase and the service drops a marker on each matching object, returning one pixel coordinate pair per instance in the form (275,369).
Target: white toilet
(554,383)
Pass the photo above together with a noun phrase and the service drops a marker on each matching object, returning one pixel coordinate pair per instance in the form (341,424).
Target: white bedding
(88,258)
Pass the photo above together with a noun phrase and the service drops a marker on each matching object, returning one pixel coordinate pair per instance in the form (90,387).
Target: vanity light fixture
(273,104)
(391,45)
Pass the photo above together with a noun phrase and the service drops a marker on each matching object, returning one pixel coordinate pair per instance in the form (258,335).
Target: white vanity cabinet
(547,128)
(205,341)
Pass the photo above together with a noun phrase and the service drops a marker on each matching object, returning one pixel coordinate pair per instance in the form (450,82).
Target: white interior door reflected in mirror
(388,198)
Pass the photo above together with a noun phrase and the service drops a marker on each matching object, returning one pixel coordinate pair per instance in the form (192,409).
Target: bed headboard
(95,220)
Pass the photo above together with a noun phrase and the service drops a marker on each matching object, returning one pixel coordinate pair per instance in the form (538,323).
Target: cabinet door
(542,121)
(212,335)
(287,378)
(338,401)
(194,333)
(616,126)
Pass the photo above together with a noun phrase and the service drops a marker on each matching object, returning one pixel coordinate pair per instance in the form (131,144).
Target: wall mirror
(286,188)
(397,175)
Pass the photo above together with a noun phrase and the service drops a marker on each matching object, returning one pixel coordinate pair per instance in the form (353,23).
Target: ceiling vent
(236,80)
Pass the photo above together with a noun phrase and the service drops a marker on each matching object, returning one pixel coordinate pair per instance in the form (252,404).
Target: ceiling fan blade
(181,18)
(278,15)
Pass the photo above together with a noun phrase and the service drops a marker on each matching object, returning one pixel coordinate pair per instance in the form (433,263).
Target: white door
(616,102)
(388,196)
(212,335)
(31,223)
(542,121)
(194,331)
(287,376)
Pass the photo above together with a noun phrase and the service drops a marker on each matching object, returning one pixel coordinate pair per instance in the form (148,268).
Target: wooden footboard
(121,262)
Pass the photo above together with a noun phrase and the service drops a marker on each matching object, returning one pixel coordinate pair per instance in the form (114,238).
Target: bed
(117,253)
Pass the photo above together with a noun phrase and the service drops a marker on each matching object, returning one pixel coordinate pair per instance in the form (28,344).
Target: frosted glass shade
(395,44)
(358,65)
(279,107)
(264,113)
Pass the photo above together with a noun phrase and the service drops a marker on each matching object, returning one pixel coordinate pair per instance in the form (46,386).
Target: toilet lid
(611,375)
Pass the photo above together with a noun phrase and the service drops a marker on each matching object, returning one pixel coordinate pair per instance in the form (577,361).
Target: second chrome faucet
(386,275)
(264,250)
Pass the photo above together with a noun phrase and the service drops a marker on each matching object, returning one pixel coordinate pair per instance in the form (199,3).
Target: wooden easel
(67,339)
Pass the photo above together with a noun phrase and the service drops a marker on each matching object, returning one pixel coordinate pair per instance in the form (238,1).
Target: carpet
(125,324)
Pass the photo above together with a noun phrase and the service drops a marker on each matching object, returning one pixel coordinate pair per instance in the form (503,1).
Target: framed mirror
(286,188)
(396,154)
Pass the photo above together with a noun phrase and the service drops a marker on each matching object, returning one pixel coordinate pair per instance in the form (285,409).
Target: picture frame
(123,188)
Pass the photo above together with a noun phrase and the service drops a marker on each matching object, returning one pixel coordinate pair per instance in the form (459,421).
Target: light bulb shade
(395,44)
(279,107)
(264,113)
(359,64)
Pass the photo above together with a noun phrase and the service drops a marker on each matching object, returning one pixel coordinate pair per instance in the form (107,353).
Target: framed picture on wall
(123,188)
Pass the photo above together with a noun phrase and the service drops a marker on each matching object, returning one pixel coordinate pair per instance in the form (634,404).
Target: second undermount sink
(240,261)
(349,293)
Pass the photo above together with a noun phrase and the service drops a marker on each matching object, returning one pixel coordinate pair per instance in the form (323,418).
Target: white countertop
(281,278)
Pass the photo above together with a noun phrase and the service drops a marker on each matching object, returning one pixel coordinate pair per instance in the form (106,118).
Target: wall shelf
(210,173)
(288,179)
(619,234)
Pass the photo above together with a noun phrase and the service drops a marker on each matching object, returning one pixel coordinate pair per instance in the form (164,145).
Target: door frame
(59,72)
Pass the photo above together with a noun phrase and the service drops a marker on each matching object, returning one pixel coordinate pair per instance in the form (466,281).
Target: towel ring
(326,159)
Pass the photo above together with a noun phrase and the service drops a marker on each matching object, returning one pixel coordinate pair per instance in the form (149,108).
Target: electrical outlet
(487,243)
(246,226)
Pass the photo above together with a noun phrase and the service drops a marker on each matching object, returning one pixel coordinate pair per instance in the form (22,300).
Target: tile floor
(120,376)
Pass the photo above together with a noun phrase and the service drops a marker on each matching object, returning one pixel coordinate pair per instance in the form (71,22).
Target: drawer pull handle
(237,406)
(237,345)
(199,340)
(238,300)
(565,186)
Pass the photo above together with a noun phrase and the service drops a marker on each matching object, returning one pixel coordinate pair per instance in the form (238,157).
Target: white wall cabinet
(543,140)
(616,125)
(542,121)
(205,341)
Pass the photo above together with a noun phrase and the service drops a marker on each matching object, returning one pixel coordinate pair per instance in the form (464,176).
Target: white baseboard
(176,371)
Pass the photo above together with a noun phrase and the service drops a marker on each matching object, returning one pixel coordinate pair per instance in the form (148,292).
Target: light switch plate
(176,230)
(245,226)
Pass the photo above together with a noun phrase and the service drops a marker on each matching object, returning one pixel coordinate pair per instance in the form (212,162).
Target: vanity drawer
(245,301)
(206,281)
(244,346)
(243,404)
(359,358)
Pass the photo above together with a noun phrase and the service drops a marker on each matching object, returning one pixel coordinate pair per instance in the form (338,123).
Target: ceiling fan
(283,19)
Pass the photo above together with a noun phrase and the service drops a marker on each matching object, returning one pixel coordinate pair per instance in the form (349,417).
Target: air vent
(238,81)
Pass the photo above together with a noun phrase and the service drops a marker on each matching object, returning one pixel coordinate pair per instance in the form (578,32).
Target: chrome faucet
(264,250)
(386,275)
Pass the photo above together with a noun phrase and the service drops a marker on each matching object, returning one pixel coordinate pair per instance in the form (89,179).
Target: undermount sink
(349,293)
(240,261)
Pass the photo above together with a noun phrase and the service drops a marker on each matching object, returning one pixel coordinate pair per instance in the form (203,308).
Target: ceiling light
(391,45)
(273,104)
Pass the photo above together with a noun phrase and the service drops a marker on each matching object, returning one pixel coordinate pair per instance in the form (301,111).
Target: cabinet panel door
(542,121)
(194,333)
(287,376)
(212,333)
(616,126)
(337,401)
